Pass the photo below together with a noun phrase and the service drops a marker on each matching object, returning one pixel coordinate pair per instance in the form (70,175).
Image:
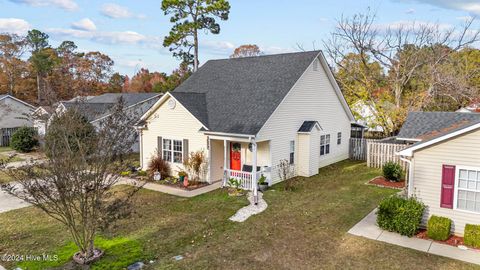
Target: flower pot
(263,187)
(181,178)
(185,181)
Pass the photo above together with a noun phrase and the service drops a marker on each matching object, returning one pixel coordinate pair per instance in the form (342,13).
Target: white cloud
(13,25)
(472,6)
(410,11)
(113,37)
(275,49)
(219,46)
(85,25)
(69,5)
(406,24)
(115,11)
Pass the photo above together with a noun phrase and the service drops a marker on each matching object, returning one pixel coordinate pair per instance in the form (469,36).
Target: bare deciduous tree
(402,50)
(74,185)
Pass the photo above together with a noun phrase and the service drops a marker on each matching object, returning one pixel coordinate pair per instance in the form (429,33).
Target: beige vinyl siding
(14,114)
(459,151)
(312,98)
(175,124)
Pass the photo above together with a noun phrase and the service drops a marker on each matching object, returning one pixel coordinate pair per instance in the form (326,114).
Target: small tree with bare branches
(74,185)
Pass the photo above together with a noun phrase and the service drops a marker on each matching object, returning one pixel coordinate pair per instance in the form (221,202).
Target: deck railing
(245,178)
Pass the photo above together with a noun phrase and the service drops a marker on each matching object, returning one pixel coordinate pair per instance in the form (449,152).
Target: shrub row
(438,228)
(401,215)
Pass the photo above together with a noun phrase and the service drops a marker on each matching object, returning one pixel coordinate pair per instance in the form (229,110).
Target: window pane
(322,150)
(322,139)
(477,207)
(292,158)
(462,183)
(167,144)
(292,146)
(472,175)
(462,194)
(470,196)
(478,185)
(327,149)
(177,146)
(472,185)
(167,155)
(328,139)
(461,204)
(470,206)
(463,174)
(177,157)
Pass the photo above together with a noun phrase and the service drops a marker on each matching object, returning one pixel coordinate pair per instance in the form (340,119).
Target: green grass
(302,229)
(120,252)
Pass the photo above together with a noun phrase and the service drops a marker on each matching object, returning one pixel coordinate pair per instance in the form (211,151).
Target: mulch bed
(181,186)
(380,181)
(452,241)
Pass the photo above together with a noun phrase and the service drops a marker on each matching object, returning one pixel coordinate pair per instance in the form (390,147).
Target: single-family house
(14,113)
(98,108)
(444,167)
(248,114)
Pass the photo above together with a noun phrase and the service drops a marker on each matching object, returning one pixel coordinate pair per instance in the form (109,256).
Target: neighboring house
(248,114)
(472,108)
(14,112)
(40,119)
(98,108)
(367,115)
(444,164)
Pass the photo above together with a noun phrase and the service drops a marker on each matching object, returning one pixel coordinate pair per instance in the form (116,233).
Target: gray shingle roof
(427,125)
(239,95)
(307,126)
(99,106)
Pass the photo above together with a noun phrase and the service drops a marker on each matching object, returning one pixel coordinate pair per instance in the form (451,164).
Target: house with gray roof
(98,108)
(248,115)
(14,113)
(444,167)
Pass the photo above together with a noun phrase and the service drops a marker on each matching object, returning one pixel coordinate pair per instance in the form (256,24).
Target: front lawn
(306,228)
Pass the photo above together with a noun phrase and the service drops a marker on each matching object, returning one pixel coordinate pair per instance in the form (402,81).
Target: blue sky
(131,32)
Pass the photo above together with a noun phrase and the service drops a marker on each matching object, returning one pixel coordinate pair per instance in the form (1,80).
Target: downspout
(410,175)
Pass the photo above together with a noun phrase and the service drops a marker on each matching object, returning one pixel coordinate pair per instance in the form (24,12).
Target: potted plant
(181,175)
(262,183)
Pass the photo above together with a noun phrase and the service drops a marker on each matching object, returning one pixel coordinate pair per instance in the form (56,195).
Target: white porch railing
(245,178)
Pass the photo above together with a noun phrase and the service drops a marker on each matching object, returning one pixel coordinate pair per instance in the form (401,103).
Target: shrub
(196,166)
(401,215)
(160,165)
(392,171)
(142,173)
(471,236)
(438,228)
(24,139)
(125,173)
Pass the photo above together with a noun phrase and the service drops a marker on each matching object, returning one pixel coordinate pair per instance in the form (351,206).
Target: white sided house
(248,114)
(444,164)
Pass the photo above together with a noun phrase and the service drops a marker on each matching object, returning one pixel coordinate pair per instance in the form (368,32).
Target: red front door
(235,156)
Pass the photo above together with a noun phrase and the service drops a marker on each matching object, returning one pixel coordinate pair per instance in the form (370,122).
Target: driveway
(8,202)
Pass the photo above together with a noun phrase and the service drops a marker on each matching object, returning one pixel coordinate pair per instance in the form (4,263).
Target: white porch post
(225,152)
(209,173)
(254,172)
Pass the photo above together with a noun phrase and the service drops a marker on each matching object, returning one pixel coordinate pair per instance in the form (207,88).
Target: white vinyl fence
(376,152)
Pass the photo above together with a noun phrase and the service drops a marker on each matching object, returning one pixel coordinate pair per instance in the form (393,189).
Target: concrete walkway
(250,210)
(171,190)
(368,228)
(9,202)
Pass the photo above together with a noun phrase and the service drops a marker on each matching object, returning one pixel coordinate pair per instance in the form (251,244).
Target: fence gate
(376,152)
(6,135)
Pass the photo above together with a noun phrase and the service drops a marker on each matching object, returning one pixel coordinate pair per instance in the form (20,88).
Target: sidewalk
(172,190)
(368,228)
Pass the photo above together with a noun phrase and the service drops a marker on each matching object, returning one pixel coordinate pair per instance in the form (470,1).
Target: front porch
(242,159)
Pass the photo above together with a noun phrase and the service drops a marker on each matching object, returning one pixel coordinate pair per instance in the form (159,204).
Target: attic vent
(315,65)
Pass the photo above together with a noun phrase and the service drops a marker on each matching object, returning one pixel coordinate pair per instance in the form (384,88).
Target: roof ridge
(264,55)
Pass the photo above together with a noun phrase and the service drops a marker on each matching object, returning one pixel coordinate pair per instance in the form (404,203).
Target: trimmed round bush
(471,236)
(392,171)
(401,215)
(24,139)
(438,228)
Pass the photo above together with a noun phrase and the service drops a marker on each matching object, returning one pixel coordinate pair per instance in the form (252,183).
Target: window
(173,152)
(167,150)
(339,138)
(324,144)
(292,152)
(468,190)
